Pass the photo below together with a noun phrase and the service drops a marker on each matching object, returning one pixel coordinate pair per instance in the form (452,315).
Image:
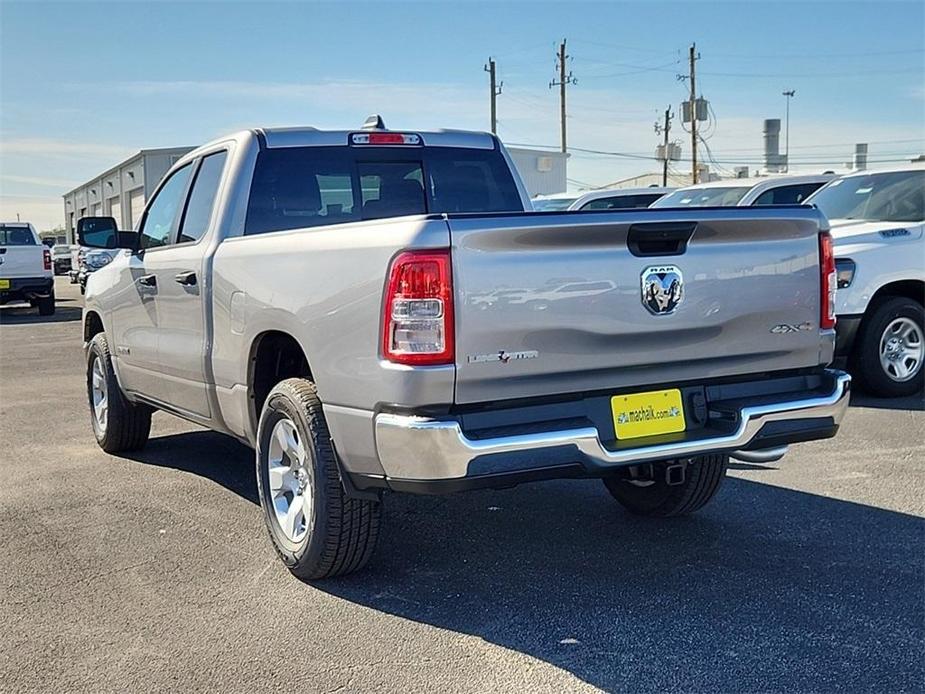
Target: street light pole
(789,94)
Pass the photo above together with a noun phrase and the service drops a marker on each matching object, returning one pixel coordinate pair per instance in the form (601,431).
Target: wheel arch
(274,356)
(909,289)
(93,325)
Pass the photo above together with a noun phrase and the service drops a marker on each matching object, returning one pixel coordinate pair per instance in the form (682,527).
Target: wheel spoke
(292,524)
(281,437)
(280,479)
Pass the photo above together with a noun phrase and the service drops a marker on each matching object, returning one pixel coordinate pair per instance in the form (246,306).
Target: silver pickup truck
(375,310)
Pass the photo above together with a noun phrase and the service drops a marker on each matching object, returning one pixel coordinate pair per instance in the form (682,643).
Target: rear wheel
(317,530)
(118,424)
(891,348)
(46,305)
(671,488)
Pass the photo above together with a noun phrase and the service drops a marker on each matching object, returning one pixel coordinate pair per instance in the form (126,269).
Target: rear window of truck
(297,187)
(16,236)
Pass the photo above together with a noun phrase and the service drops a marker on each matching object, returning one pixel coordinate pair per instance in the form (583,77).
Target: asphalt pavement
(153,572)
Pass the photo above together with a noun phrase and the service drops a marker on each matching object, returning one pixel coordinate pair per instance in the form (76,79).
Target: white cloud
(50,147)
(40,181)
(44,212)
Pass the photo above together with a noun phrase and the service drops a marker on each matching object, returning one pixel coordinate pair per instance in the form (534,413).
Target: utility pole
(693,102)
(790,93)
(665,163)
(563,81)
(495,91)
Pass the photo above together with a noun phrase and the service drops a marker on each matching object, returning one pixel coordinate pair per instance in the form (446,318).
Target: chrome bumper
(419,448)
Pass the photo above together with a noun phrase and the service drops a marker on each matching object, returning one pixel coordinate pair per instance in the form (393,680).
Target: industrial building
(121,191)
(543,172)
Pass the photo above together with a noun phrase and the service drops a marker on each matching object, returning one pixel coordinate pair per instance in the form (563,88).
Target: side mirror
(102,232)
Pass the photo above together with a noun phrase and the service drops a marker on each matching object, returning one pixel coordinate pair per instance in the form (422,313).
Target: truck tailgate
(18,261)
(555,303)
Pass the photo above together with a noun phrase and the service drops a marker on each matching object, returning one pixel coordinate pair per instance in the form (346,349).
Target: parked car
(558,202)
(309,293)
(878,225)
(618,198)
(609,199)
(61,258)
(745,192)
(92,260)
(25,268)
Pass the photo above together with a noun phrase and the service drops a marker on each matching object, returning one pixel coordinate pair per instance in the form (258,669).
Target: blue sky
(83,85)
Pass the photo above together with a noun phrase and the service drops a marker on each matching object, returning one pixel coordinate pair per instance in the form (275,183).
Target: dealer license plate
(647,414)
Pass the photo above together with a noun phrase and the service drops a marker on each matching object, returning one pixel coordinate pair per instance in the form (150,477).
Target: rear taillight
(829,281)
(46,254)
(417,325)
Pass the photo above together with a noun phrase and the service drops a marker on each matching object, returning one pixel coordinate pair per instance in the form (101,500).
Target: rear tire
(655,497)
(118,424)
(317,530)
(879,376)
(46,305)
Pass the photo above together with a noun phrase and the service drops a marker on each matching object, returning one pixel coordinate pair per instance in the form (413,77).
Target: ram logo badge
(662,289)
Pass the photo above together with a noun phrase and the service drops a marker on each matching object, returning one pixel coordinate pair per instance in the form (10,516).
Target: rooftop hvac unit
(544,164)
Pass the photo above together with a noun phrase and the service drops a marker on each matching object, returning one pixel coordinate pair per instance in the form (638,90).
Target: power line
(723,160)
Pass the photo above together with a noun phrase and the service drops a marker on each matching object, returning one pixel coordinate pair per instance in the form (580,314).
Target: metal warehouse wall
(543,172)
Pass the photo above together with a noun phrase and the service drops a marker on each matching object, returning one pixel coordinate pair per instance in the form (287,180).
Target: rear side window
(787,195)
(16,236)
(298,187)
(202,198)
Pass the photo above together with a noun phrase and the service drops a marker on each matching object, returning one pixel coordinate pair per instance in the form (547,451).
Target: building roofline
(140,153)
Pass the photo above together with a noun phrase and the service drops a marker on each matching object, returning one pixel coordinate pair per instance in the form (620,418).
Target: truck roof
(783,179)
(307,136)
(899,168)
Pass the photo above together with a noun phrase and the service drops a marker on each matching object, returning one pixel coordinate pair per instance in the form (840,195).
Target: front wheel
(317,530)
(891,348)
(118,424)
(672,488)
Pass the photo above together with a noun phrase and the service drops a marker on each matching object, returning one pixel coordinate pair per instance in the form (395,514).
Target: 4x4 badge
(662,288)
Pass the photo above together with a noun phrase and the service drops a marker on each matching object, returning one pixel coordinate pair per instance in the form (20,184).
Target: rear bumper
(435,455)
(25,288)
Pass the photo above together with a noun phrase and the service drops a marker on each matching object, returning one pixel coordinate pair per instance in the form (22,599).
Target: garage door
(97,210)
(136,201)
(115,211)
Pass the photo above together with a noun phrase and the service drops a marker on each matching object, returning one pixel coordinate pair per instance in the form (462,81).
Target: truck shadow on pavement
(214,456)
(20,315)
(766,589)
(910,402)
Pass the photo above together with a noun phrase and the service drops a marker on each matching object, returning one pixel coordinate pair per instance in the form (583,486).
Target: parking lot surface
(153,572)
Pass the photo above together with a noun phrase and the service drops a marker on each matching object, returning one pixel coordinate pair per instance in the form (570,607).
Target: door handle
(148,280)
(187,279)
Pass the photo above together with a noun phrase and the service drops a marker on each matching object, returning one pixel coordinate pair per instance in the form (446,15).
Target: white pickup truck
(878,227)
(374,310)
(26,272)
